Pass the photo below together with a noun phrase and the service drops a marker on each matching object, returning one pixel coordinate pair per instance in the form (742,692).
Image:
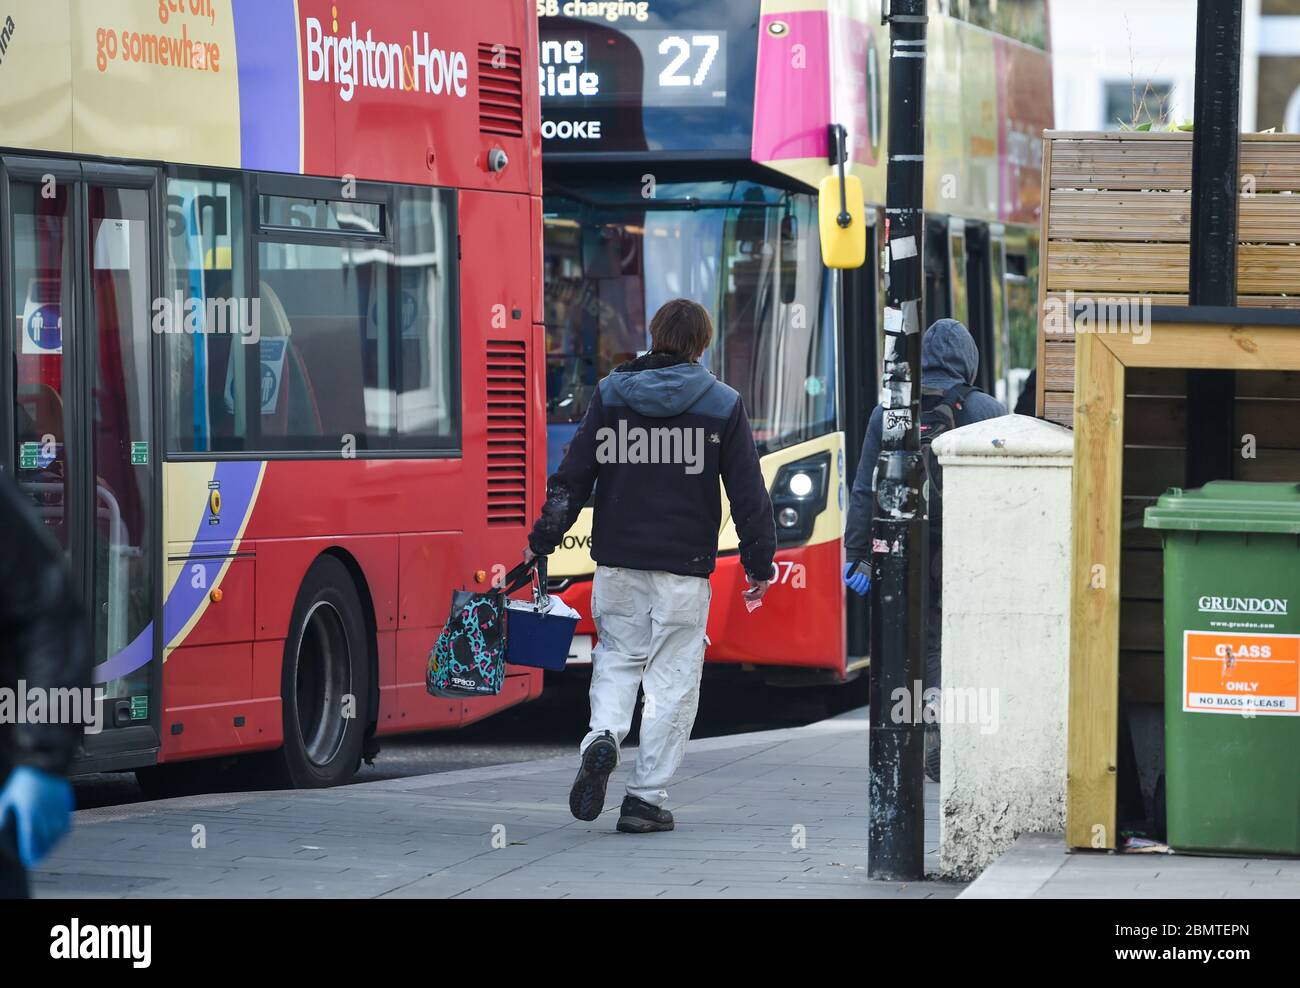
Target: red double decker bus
(685,141)
(272,276)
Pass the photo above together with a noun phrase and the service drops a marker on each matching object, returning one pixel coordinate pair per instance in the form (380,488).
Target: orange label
(1226,673)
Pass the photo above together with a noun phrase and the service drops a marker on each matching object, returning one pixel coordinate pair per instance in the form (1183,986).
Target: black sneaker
(639,817)
(932,752)
(587,797)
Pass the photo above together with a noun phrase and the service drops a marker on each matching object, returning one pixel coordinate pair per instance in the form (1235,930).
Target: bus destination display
(648,80)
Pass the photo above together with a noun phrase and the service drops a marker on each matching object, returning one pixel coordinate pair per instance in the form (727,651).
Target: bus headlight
(801,485)
(799,496)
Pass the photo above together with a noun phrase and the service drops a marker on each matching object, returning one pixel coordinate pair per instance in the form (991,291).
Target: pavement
(769,814)
(1038,866)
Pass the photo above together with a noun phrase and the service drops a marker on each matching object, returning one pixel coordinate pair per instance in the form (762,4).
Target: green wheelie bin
(1232,666)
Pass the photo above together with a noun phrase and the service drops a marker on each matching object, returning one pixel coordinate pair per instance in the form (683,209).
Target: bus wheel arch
(367,601)
(326,675)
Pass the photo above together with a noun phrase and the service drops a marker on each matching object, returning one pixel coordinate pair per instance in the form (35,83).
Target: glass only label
(1246,674)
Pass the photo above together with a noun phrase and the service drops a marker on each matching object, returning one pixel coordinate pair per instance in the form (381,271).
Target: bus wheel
(325,681)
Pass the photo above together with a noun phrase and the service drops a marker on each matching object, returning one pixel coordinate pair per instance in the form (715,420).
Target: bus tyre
(325,681)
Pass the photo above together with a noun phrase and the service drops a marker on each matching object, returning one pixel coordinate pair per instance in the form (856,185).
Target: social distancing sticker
(1229,673)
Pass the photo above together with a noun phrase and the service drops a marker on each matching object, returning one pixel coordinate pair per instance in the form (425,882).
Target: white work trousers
(650,631)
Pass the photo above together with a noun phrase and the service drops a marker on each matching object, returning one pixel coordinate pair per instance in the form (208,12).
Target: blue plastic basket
(535,636)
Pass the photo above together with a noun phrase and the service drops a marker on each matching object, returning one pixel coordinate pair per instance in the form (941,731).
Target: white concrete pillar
(1006,636)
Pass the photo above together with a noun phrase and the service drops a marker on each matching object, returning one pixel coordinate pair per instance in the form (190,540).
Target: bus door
(1001,324)
(970,238)
(986,287)
(1020,298)
(960,269)
(958,277)
(860,335)
(938,276)
(79,272)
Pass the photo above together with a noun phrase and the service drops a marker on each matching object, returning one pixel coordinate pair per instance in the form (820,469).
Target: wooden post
(1094,600)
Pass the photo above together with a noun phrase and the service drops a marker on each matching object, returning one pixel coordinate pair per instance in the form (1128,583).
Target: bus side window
(207,369)
(358,349)
(336,393)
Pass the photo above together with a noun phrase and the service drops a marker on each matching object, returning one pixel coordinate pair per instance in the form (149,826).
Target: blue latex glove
(857,577)
(41,807)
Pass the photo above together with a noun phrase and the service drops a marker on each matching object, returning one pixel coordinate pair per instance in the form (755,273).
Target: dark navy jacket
(659,433)
(44,639)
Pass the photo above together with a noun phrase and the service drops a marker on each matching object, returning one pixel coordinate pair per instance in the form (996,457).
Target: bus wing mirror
(844,245)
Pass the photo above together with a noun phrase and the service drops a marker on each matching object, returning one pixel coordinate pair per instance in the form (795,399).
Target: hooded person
(44,649)
(659,434)
(949,362)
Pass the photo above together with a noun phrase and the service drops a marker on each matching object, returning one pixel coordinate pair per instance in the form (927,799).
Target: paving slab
(1039,866)
(768,814)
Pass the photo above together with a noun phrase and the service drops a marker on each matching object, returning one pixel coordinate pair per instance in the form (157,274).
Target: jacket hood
(660,386)
(948,355)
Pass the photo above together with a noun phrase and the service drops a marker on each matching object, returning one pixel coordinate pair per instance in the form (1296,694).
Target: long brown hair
(681,328)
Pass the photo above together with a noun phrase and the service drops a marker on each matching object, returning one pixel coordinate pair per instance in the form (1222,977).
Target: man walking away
(659,433)
(949,399)
(43,646)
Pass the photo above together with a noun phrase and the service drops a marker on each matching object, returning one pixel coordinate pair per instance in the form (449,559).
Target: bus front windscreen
(748,253)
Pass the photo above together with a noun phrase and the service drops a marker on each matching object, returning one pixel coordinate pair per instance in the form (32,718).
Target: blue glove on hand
(41,806)
(857,577)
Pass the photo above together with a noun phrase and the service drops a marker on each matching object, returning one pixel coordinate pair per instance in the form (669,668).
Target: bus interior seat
(296,411)
(43,408)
